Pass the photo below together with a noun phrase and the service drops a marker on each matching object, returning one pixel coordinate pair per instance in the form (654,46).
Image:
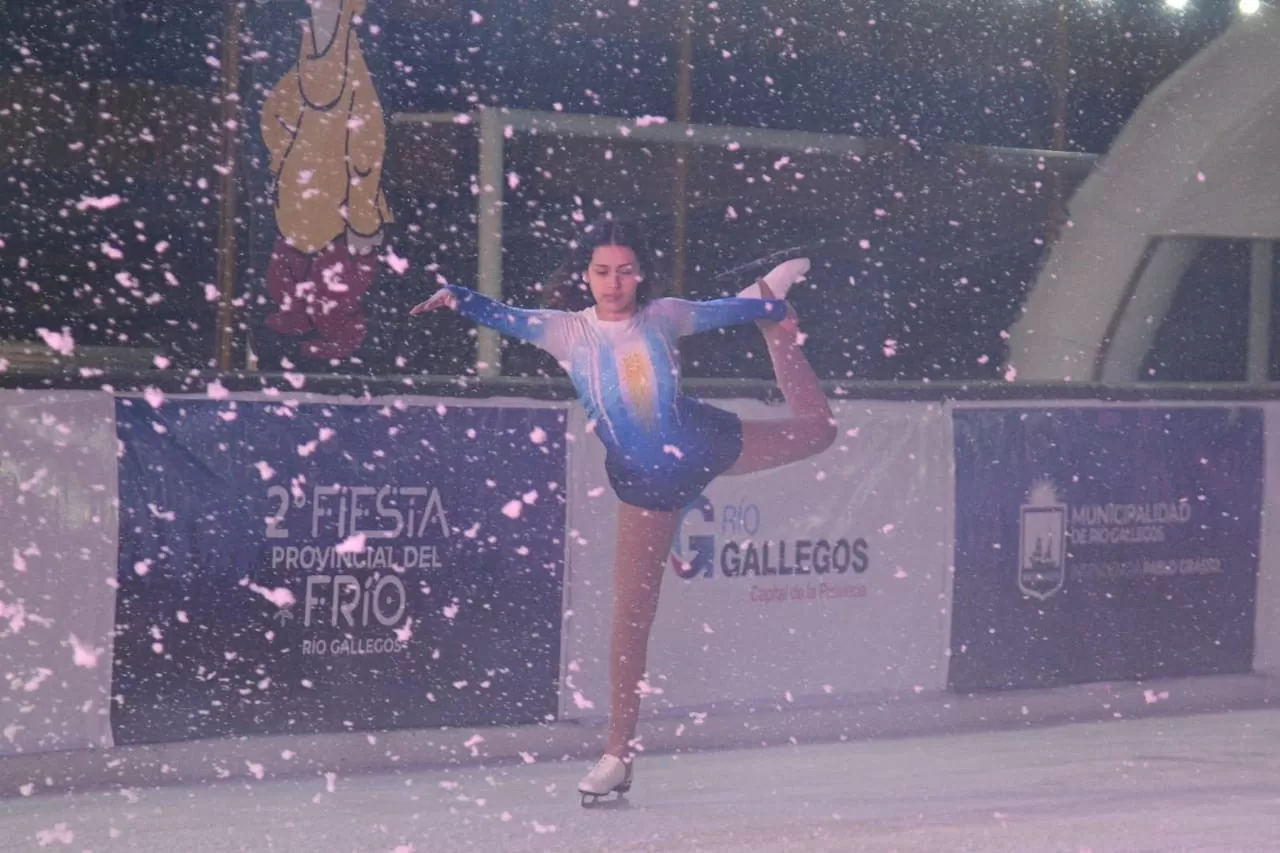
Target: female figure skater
(662,448)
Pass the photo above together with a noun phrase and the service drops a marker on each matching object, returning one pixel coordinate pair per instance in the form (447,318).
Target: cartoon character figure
(323,125)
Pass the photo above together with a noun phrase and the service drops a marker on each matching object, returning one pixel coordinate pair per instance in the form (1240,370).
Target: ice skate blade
(601,801)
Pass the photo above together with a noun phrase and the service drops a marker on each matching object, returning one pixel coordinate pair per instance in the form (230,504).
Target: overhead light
(1249,7)
(1176,5)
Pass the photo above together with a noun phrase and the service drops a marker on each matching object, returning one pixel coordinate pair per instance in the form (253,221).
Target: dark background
(101,97)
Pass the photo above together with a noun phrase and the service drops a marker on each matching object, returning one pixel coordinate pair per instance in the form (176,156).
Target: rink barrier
(1104,542)
(201,647)
(321,759)
(58,549)
(823,581)
(318,567)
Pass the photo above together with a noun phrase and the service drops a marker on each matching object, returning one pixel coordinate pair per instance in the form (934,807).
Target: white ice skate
(779,279)
(610,774)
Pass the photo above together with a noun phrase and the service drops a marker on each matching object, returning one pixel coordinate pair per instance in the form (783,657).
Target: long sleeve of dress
(542,327)
(690,318)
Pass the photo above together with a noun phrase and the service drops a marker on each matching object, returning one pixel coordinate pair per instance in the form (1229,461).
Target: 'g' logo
(700,559)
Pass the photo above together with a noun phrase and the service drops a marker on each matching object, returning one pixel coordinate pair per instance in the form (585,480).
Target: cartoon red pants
(320,294)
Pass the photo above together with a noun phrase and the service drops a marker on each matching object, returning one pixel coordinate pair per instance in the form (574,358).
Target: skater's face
(614,275)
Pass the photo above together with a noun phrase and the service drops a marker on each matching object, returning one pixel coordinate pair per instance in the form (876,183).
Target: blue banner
(1097,544)
(327,567)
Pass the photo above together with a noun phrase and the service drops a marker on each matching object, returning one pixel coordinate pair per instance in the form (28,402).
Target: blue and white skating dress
(662,448)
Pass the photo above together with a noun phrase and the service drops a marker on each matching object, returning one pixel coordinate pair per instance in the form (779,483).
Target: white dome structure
(1200,158)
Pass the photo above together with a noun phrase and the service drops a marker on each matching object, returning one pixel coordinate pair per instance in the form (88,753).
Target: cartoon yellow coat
(323,124)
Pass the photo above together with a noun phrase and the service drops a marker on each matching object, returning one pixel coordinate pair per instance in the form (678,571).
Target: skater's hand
(442,298)
(789,322)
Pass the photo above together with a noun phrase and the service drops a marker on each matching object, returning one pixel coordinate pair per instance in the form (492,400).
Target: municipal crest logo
(1042,544)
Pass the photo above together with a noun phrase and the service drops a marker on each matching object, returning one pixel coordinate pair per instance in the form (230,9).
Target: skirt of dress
(675,469)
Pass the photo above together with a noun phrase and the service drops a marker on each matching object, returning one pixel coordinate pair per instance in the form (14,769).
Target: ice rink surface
(1209,782)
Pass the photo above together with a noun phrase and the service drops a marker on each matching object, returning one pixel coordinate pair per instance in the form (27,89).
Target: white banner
(1266,649)
(819,581)
(58,531)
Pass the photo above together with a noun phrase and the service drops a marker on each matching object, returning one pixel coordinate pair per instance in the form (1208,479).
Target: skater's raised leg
(811,428)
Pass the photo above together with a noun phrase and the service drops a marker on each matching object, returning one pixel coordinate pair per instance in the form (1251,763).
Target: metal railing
(495,129)
(286,387)
(495,125)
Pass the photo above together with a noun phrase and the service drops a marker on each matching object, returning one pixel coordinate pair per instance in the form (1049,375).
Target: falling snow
(416,501)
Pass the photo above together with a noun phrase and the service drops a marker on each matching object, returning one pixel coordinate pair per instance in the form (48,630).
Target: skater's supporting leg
(811,428)
(643,541)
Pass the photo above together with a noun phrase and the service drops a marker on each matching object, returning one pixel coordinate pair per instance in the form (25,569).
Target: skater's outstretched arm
(542,327)
(690,318)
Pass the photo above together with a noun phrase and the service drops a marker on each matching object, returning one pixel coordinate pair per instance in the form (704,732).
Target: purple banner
(332,567)
(1097,544)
